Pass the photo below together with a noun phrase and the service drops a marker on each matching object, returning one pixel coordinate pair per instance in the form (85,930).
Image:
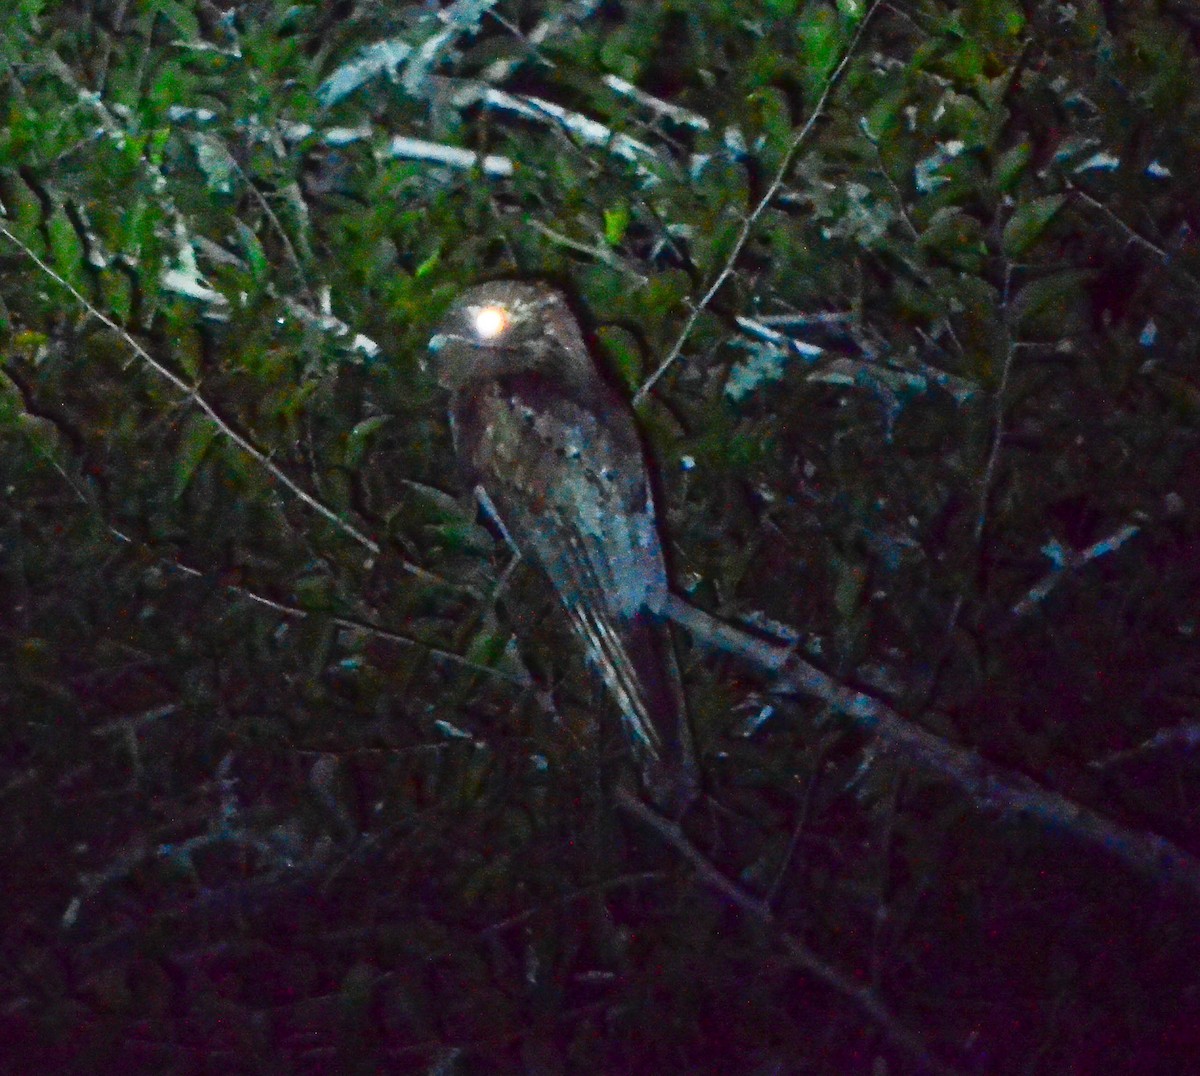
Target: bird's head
(506,327)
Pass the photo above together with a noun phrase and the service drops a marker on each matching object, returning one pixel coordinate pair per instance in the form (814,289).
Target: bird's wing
(569,482)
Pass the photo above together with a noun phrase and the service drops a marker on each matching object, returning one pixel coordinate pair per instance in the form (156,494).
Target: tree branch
(991,787)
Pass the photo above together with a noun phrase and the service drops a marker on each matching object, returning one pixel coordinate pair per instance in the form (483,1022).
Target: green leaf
(197,436)
(314,593)
(460,537)
(11,404)
(136,231)
(359,437)
(820,44)
(771,115)
(616,220)
(180,14)
(964,62)
(215,161)
(256,257)
(65,245)
(1028,222)
(155,142)
(993,22)
(487,647)
(118,294)
(355,994)
(884,116)
(957,237)
(848,590)
(1054,304)
(429,264)
(1011,166)
(622,348)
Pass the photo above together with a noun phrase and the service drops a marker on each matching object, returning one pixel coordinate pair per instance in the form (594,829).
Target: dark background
(248,824)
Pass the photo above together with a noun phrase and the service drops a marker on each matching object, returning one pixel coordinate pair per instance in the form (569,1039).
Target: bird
(551,451)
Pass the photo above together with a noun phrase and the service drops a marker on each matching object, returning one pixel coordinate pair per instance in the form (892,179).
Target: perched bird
(551,451)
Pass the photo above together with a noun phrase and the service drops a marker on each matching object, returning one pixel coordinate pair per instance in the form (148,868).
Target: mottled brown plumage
(554,450)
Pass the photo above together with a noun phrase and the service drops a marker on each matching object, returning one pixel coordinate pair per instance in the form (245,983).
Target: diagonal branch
(798,953)
(990,786)
(192,395)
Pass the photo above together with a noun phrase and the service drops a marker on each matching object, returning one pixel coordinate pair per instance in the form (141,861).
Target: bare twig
(1132,235)
(291,611)
(354,624)
(192,395)
(284,237)
(1039,591)
(989,471)
(1184,737)
(913,232)
(752,217)
(800,954)
(600,253)
(569,15)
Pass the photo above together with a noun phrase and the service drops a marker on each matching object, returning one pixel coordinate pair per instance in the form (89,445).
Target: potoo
(552,451)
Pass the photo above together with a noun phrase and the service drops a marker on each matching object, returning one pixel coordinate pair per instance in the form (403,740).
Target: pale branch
(990,786)
(663,109)
(760,330)
(1067,561)
(419,149)
(587,130)
(325,321)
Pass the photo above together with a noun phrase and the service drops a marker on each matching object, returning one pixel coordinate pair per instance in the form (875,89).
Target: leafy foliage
(286,786)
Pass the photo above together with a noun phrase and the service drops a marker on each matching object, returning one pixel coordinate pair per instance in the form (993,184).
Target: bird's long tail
(635,657)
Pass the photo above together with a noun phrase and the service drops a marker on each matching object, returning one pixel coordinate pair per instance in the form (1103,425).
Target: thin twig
(277,224)
(914,233)
(571,15)
(369,628)
(192,395)
(1042,589)
(598,252)
(800,954)
(295,612)
(1132,234)
(989,471)
(1184,737)
(758,210)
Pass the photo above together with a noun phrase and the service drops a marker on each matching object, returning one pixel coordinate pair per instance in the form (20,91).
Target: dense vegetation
(905,292)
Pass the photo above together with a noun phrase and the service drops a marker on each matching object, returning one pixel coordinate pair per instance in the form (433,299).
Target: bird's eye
(490,322)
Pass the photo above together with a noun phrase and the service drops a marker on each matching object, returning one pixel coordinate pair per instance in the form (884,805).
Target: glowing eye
(490,321)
